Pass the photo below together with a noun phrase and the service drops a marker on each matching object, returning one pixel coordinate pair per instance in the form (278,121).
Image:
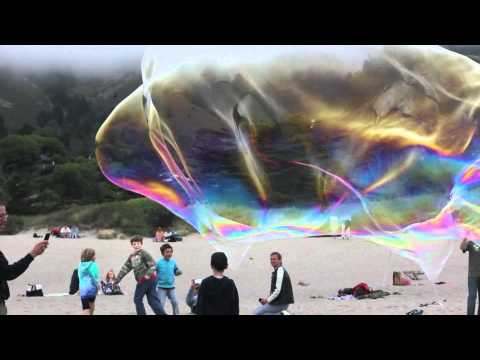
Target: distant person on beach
(159,235)
(75,232)
(281,291)
(218,294)
(473,274)
(108,286)
(89,276)
(11,272)
(192,296)
(3,216)
(347,229)
(55,231)
(65,232)
(167,269)
(144,270)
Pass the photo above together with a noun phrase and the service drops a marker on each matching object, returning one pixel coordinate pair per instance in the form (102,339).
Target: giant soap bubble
(250,143)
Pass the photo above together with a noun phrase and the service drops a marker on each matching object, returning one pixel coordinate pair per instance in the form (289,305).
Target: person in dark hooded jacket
(218,294)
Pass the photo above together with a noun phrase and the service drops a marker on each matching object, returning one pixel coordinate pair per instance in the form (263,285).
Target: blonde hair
(87,255)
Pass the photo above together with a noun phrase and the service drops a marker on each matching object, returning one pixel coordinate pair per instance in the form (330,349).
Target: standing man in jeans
(473,273)
(281,291)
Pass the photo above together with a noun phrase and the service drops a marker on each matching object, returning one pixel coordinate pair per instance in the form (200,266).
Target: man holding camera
(11,272)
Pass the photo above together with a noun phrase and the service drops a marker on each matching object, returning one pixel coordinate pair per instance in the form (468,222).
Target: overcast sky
(81,58)
(101,58)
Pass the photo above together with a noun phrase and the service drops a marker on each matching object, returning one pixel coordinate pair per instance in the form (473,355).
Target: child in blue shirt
(88,275)
(167,269)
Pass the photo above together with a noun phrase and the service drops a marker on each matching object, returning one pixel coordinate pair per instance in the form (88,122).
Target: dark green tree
(3,128)
(18,152)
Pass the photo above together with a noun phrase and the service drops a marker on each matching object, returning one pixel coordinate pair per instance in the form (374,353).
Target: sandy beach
(323,265)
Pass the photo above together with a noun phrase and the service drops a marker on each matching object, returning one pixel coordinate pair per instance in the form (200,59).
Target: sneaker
(284,312)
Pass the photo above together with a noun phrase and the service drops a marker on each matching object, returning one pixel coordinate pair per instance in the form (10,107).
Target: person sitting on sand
(218,294)
(159,235)
(281,291)
(144,270)
(108,286)
(88,275)
(65,232)
(192,295)
(473,274)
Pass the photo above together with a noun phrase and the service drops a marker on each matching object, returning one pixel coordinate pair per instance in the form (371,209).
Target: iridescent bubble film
(260,143)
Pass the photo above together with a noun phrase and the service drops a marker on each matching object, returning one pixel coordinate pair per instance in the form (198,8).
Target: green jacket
(142,264)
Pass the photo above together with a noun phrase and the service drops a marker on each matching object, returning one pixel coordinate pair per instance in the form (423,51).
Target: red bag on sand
(361,289)
(55,231)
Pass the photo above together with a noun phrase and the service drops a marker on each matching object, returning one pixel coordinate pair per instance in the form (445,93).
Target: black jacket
(218,297)
(74,283)
(11,272)
(286,293)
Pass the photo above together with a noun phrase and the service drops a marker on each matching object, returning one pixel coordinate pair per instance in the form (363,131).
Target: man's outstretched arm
(13,271)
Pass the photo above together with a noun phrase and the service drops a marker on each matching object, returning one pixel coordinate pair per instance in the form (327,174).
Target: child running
(167,269)
(143,267)
(88,275)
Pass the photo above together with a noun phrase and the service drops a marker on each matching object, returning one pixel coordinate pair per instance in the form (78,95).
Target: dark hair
(87,255)
(165,247)
(277,254)
(136,238)
(219,261)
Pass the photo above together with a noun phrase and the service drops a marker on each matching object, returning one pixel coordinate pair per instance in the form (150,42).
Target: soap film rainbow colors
(290,143)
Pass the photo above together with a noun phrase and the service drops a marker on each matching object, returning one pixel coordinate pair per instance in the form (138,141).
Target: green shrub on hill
(15,224)
(137,216)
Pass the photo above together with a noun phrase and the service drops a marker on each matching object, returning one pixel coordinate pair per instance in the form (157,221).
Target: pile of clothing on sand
(360,292)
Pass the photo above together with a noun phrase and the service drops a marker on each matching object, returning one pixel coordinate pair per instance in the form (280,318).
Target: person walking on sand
(89,276)
(473,250)
(167,269)
(281,291)
(218,294)
(144,270)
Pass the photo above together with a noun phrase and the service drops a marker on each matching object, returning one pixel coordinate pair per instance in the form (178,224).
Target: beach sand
(325,264)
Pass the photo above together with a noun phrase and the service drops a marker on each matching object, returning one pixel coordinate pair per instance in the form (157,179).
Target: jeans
(3,308)
(269,309)
(473,290)
(147,288)
(172,295)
